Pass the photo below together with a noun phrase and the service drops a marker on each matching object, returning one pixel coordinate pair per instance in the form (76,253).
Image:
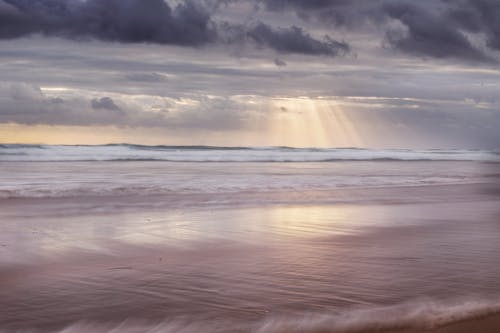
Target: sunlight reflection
(308,221)
(257,225)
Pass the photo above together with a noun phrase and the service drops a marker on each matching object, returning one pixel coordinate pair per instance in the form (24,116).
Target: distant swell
(419,317)
(126,152)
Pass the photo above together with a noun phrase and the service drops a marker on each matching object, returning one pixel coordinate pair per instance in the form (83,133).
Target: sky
(300,73)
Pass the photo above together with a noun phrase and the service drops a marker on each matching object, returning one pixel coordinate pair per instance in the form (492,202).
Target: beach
(276,246)
(239,166)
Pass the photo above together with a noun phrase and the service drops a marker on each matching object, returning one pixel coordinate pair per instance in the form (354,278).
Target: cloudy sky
(367,73)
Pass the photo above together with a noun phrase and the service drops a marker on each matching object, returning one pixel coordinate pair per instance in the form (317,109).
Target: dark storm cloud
(479,16)
(296,40)
(428,34)
(119,20)
(337,13)
(311,4)
(434,29)
(152,21)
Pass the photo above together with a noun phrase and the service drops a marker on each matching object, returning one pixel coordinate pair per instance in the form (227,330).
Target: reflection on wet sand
(247,264)
(405,258)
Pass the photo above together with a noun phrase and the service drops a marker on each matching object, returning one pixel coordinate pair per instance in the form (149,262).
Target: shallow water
(248,247)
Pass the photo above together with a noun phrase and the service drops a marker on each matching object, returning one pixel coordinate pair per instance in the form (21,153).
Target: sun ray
(308,122)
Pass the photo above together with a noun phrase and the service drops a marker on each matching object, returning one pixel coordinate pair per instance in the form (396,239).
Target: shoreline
(311,323)
(382,195)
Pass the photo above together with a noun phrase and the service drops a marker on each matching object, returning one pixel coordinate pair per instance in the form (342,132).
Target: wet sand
(388,259)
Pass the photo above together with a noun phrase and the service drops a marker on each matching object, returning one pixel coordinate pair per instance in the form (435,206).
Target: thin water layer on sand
(413,258)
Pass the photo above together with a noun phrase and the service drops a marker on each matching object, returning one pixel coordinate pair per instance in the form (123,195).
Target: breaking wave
(410,317)
(127,152)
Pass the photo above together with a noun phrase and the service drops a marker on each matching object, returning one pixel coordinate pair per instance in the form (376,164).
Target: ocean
(130,238)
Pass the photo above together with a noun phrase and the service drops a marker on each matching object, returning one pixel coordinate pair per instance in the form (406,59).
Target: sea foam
(125,152)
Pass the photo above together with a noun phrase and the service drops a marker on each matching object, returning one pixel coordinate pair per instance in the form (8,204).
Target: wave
(411,317)
(414,317)
(129,152)
(215,188)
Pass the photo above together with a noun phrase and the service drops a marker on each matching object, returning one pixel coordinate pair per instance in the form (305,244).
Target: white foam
(227,154)
(422,315)
(39,178)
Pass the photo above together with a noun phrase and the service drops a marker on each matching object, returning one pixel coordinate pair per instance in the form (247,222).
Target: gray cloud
(146,77)
(26,104)
(106,103)
(296,40)
(152,21)
(453,122)
(279,62)
(434,29)
(119,20)
(337,13)
(301,4)
(304,8)
(479,16)
(429,35)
